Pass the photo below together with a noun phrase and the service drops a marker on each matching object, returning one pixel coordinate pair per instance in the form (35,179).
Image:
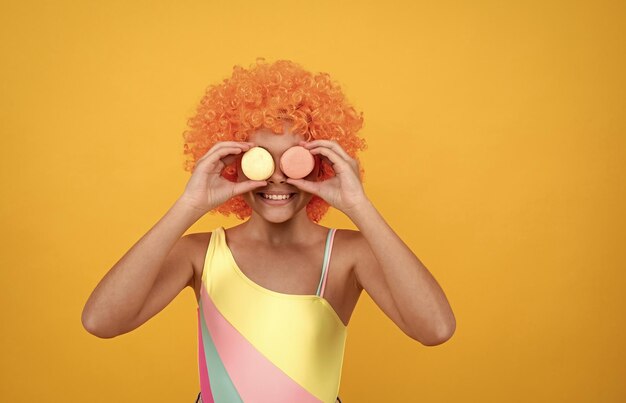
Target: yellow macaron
(257,164)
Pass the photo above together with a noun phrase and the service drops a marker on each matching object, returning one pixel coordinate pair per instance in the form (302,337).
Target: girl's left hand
(343,191)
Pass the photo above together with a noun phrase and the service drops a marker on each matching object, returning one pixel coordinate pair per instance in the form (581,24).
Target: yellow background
(496,137)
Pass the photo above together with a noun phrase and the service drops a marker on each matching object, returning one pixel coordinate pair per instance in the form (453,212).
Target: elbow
(440,339)
(91,325)
(435,338)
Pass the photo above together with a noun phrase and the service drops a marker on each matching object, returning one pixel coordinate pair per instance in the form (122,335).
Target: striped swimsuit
(258,345)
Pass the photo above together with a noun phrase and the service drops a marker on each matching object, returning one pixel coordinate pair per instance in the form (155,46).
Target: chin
(275,219)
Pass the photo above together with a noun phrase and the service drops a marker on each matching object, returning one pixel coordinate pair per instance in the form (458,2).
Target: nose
(277,176)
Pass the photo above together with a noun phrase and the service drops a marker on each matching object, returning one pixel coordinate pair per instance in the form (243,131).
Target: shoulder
(354,248)
(197,241)
(198,237)
(364,261)
(345,238)
(197,245)
(349,237)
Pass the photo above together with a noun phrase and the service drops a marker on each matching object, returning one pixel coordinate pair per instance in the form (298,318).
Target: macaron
(257,164)
(297,162)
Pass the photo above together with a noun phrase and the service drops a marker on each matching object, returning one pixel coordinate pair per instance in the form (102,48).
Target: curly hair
(266,96)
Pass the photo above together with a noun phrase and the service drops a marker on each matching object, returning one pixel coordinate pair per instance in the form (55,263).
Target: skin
(278,247)
(278,225)
(281,249)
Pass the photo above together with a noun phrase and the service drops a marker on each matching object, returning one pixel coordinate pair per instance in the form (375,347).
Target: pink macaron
(297,162)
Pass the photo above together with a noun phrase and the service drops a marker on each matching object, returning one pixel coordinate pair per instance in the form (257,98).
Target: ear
(230,172)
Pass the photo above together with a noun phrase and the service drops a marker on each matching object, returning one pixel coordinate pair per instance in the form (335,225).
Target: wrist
(359,209)
(188,209)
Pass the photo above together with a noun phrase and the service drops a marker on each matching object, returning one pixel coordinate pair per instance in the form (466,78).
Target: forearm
(120,295)
(418,297)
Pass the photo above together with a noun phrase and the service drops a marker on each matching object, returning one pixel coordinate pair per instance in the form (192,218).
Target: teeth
(276,197)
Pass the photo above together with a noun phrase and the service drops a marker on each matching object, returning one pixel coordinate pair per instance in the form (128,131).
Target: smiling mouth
(271,197)
(277,200)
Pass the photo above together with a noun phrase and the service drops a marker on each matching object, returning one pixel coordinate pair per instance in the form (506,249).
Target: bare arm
(398,281)
(386,268)
(158,266)
(116,304)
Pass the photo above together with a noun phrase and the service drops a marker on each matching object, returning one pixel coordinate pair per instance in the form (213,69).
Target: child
(264,334)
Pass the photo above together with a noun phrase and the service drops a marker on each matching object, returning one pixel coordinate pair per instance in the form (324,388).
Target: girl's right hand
(206,188)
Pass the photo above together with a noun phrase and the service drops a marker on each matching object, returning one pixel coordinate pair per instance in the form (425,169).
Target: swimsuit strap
(327,252)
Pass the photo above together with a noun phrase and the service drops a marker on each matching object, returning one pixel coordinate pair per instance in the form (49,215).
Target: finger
(304,185)
(231,158)
(247,186)
(245,145)
(338,163)
(222,144)
(333,145)
(224,153)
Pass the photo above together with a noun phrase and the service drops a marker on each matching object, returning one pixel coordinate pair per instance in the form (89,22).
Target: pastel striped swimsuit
(259,345)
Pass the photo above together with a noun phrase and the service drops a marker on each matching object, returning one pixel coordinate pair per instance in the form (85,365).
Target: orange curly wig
(268,96)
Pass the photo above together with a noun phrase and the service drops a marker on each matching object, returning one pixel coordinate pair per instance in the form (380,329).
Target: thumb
(307,186)
(243,187)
